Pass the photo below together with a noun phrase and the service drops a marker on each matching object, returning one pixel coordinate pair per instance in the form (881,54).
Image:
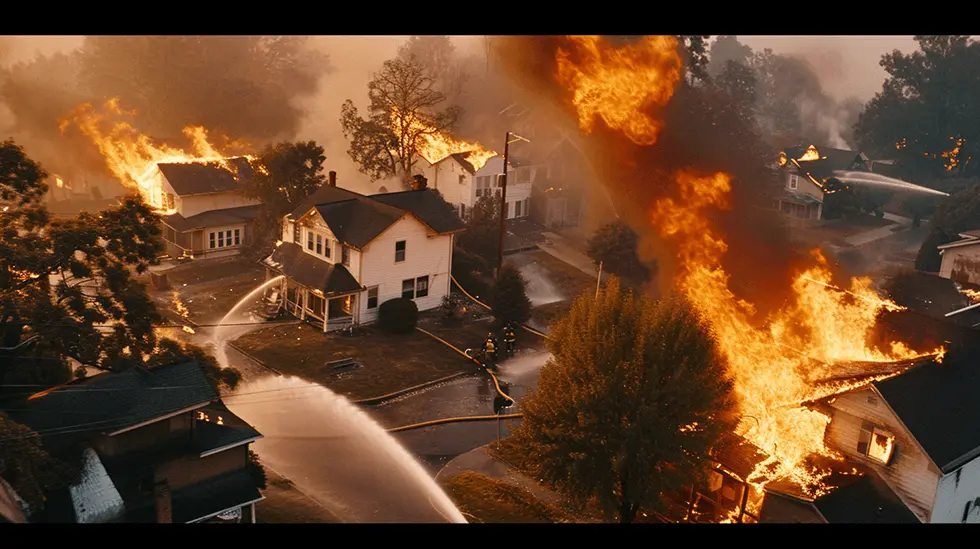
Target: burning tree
(630,405)
(403,111)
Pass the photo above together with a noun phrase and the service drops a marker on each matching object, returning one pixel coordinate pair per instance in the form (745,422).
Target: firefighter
(490,347)
(510,338)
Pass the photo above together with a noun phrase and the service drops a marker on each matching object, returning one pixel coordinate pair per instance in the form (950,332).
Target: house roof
(738,456)
(799,198)
(356,219)
(461,158)
(213,218)
(111,401)
(967,238)
(429,207)
(831,160)
(203,178)
(222,431)
(329,278)
(864,498)
(203,500)
(936,402)
(934,297)
(95,497)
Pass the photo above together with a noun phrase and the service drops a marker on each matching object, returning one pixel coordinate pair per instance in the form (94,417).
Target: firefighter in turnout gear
(490,347)
(510,338)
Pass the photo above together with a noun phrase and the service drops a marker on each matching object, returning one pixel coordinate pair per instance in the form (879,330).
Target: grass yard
(388,363)
(209,288)
(284,504)
(488,500)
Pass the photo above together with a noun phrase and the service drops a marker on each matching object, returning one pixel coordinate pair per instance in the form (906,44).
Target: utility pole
(503,206)
(598,280)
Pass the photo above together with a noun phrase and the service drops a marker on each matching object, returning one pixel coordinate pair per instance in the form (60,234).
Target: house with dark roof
(158,446)
(463,178)
(343,254)
(807,172)
(205,214)
(915,435)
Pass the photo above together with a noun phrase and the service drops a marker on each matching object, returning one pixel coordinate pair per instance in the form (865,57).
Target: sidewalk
(479,461)
(556,246)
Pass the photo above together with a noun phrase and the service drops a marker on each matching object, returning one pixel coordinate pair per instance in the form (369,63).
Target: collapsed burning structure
(793,334)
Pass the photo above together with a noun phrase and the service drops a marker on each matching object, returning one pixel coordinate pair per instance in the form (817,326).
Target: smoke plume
(700,131)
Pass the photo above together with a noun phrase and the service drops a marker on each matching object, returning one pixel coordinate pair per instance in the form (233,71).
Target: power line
(189,324)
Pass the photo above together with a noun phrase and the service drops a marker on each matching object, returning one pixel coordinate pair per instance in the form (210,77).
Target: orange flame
(819,337)
(620,85)
(133,157)
(436,145)
(973,295)
(810,155)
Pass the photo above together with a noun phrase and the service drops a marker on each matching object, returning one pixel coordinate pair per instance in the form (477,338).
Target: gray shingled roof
(867,499)
(210,436)
(324,195)
(202,178)
(358,221)
(111,401)
(427,206)
(831,160)
(213,218)
(330,278)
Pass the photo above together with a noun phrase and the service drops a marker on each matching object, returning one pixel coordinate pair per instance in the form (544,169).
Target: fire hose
(453,347)
(487,307)
(452,420)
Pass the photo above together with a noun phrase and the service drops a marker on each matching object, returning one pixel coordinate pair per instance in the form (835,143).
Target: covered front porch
(328,312)
(799,207)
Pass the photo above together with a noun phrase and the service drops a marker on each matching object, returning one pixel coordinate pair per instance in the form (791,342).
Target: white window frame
(224,238)
(794,182)
(418,286)
(376,290)
(404,251)
(405,288)
(871,432)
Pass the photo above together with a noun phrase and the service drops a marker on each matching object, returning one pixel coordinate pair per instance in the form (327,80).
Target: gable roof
(830,160)
(111,401)
(426,205)
(936,402)
(203,178)
(865,499)
(967,238)
(329,278)
(356,219)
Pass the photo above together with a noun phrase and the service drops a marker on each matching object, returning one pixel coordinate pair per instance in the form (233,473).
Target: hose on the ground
(487,307)
(453,347)
(453,420)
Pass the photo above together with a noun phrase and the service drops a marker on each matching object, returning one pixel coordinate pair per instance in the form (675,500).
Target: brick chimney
(332,179)
(163,502)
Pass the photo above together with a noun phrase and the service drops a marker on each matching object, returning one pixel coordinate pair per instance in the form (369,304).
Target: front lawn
(488,500)
(388,363)
(209,288)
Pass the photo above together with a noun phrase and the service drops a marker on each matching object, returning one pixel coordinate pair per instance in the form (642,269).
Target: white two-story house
(205,213)
(916,438)
(343,254)
(461,184)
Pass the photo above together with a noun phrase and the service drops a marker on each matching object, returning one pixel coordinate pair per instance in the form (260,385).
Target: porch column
(326,313)
(306,298)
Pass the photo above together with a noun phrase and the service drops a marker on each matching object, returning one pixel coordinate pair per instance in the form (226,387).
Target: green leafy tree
(926,107)
(29,469)
(630,405)
(695,53)
(725,49)
(482,234)
(404,108)
(738,81)
(615,246)
(510,301)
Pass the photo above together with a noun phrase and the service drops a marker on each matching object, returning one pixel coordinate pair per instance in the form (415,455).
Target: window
(372,297)
(319,245)
(327,247)
(211,240)
(876,443)
(462,179)
(408,288)
(507,210)
(527,207)
(221,239)
(794,181)
(345,256)
(238,239)
(422,286)
(296,233)
(309,240)
(462,212)
(517,205)
(399,251)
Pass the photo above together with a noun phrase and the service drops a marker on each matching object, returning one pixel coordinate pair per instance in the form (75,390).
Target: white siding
(965,260)
(911,473)
(424,256)
(221,237)
(955,491)
(195,204)
(315,224)
(445,178)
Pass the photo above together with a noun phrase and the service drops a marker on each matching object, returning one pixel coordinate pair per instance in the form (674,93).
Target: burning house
(807,172)
(343,254)
(463,178)
(961,258)
(150,454)
(204,213)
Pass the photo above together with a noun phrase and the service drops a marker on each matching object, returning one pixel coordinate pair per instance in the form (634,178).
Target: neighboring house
(205,213)
(806,173)
(461,184)
(916,434)
(562,186)
(343,254)
(160,446)
(961,258)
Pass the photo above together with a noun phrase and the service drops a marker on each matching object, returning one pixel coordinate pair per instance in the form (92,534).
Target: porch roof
(213,218)
(330,278)
(797,198)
